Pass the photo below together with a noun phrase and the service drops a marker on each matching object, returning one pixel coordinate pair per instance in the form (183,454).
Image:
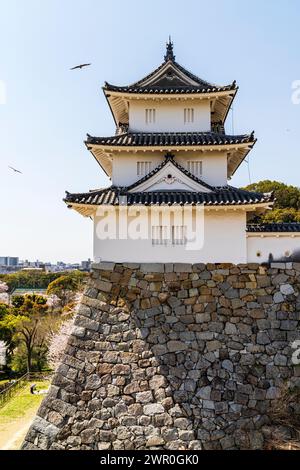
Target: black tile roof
(170,139)
(178,82)
(220,196)
(176,89)
(274,227)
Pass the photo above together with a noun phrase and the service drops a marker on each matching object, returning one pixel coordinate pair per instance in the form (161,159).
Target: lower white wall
(223,232)
(275,246)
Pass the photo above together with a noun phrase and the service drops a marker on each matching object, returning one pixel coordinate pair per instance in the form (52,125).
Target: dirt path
(13,433)
(17,415)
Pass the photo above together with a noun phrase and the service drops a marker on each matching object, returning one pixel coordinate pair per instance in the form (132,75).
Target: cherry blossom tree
(58,343)
(4,297)
(3,348)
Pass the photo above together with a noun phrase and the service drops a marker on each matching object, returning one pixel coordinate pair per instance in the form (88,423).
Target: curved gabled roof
(170,78)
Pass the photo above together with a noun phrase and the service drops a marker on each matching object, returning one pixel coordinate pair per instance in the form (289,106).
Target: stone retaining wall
(173,357)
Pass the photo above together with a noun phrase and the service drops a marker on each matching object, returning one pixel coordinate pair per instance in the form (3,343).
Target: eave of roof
(220,196)
(170,90)
(290,227)
(169,139)
(238,146)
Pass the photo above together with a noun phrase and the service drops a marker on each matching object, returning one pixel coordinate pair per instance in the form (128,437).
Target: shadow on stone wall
(173,357)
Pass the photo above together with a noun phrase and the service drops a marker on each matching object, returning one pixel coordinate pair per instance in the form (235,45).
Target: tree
(66,287)
(282,215)
(29,279)
(286,207)
(26,326)
(7,326)
(30,323)
(286,196)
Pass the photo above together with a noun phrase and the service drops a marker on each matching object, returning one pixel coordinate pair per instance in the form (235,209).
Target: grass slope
(17,414)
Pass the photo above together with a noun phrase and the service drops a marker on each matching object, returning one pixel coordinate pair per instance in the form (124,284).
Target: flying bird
(15,170)
(80,66)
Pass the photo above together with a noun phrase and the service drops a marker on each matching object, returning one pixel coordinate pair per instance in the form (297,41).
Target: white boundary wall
(262,247)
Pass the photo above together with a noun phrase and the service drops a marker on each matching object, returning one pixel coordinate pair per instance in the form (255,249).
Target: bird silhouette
(15,170)
(80,66)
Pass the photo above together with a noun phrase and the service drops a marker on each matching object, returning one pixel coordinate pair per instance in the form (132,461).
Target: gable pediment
(168,75)
(170,178)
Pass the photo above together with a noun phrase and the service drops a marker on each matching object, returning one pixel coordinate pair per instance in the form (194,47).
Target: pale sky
(48,109)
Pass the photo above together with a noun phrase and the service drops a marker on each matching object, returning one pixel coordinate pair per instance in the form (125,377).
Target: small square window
(143,168)
(150,115)
(169,236)
(160,235)
(188,115)
(178,235)
(195,167)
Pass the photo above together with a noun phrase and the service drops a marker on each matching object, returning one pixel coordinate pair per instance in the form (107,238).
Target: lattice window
(160,235)
(150,115)
(143,168)
(188,115)
(178,235)
(195,167)
(164,235)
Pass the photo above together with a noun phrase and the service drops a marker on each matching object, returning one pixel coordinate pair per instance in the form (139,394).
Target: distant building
(86,265)
(9,261)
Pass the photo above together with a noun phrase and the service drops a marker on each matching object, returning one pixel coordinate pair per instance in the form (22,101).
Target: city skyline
(46,115)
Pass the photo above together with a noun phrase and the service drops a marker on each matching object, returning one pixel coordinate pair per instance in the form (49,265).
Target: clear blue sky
(50,109)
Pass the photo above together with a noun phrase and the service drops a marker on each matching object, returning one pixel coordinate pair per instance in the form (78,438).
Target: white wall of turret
(169,116)
(212,168)
(221,235)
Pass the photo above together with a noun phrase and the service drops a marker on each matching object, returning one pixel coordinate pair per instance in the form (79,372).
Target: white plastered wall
(169,116)
(274,246)
(214,165)
(223,234)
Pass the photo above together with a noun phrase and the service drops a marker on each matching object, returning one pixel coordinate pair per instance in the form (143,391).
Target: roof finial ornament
(169,51)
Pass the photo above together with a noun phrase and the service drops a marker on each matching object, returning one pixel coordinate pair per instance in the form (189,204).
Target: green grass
(4,381)
(22,402)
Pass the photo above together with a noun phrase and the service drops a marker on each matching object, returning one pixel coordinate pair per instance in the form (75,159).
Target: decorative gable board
(172,179)
(169,75)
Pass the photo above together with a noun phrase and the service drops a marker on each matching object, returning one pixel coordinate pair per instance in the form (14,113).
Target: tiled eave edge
(88,210)
(164,95)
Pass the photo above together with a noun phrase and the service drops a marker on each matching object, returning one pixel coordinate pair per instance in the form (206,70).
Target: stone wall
(173,357)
